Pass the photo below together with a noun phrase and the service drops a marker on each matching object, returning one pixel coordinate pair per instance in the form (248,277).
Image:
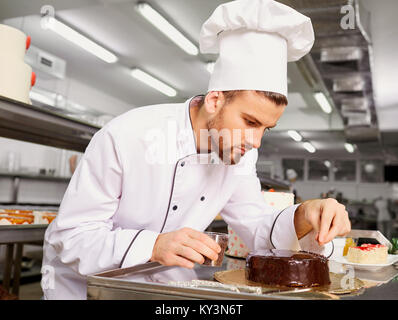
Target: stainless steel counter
(14,237)
(153,281)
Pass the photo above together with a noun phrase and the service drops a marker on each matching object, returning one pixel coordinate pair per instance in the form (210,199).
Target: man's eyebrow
(257,121)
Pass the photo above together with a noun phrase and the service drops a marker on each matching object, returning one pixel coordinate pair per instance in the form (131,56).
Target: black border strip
(128,249)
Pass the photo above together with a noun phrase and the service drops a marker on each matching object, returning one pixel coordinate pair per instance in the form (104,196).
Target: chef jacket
(141,175)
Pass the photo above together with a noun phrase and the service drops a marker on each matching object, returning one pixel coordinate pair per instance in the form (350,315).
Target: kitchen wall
(30,158)
(307,189)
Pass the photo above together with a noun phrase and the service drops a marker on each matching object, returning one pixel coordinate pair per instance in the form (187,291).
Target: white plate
(391,259)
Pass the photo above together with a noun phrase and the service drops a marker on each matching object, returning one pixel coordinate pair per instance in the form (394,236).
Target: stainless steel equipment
(14,237)
(154,281)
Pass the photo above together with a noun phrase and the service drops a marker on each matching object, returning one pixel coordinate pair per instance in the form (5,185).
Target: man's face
(239,124)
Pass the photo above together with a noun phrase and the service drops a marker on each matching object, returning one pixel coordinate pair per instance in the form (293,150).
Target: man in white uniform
(153,179)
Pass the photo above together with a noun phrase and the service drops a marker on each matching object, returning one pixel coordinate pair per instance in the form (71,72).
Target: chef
(153,179)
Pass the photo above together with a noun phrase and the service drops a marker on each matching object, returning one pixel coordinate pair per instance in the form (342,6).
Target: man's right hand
(183,248)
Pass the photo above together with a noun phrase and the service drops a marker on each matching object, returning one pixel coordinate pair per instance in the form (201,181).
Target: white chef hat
(255,39)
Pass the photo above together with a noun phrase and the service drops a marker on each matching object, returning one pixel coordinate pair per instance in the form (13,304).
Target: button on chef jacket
(141,176)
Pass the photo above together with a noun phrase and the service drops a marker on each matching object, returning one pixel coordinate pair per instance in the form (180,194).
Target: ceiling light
(309,147)
(210,67)
(295,135)
(349,147)
(323,102)
(166,28)
(153,82)
(78,39)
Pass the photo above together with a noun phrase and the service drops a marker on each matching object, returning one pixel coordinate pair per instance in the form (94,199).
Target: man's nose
(254,138)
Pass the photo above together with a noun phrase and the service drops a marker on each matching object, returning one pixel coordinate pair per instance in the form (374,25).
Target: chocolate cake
(287,268)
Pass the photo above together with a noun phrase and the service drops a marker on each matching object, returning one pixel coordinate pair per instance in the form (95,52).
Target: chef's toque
(255,39)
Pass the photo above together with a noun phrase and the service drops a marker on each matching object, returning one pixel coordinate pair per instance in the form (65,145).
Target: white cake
(279,200)
(15,74)
(368,254)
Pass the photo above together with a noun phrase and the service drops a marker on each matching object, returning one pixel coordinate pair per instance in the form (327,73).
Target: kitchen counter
(14,237)
(153,281)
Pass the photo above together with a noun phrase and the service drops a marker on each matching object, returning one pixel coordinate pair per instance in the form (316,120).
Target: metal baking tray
(154,281)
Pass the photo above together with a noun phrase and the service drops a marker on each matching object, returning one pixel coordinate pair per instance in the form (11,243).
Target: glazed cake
(368,254)
(287,268)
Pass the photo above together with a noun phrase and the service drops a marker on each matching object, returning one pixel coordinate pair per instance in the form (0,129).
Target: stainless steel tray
(154,281)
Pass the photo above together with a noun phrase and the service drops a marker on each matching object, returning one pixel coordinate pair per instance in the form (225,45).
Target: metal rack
(25,122)
(14,237)
(17,176)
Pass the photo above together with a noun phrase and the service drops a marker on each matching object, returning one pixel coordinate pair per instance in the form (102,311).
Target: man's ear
(214,100)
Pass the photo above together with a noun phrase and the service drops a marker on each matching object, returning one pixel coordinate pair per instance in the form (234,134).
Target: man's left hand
(328,217)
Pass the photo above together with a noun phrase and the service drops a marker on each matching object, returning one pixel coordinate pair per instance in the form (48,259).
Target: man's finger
(190,254)
(181,262)
(333,231)
(201,248)
(202,237)
(328,213)
(314,220)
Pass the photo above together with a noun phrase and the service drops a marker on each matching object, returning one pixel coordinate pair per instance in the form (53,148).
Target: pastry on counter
(368,254)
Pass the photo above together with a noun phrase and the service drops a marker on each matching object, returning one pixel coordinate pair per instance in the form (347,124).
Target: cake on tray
(287,268)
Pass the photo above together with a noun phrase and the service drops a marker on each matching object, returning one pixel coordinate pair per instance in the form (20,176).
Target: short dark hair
(277,98)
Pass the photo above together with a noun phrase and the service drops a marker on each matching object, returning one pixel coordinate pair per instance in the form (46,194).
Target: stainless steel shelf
(14,237)
(25,122)
(32,176)
(268,183)
(22,233)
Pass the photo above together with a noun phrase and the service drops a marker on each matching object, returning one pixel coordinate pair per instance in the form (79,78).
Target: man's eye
(250,123)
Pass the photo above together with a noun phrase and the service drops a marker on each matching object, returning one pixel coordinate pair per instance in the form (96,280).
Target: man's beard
(225,153)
